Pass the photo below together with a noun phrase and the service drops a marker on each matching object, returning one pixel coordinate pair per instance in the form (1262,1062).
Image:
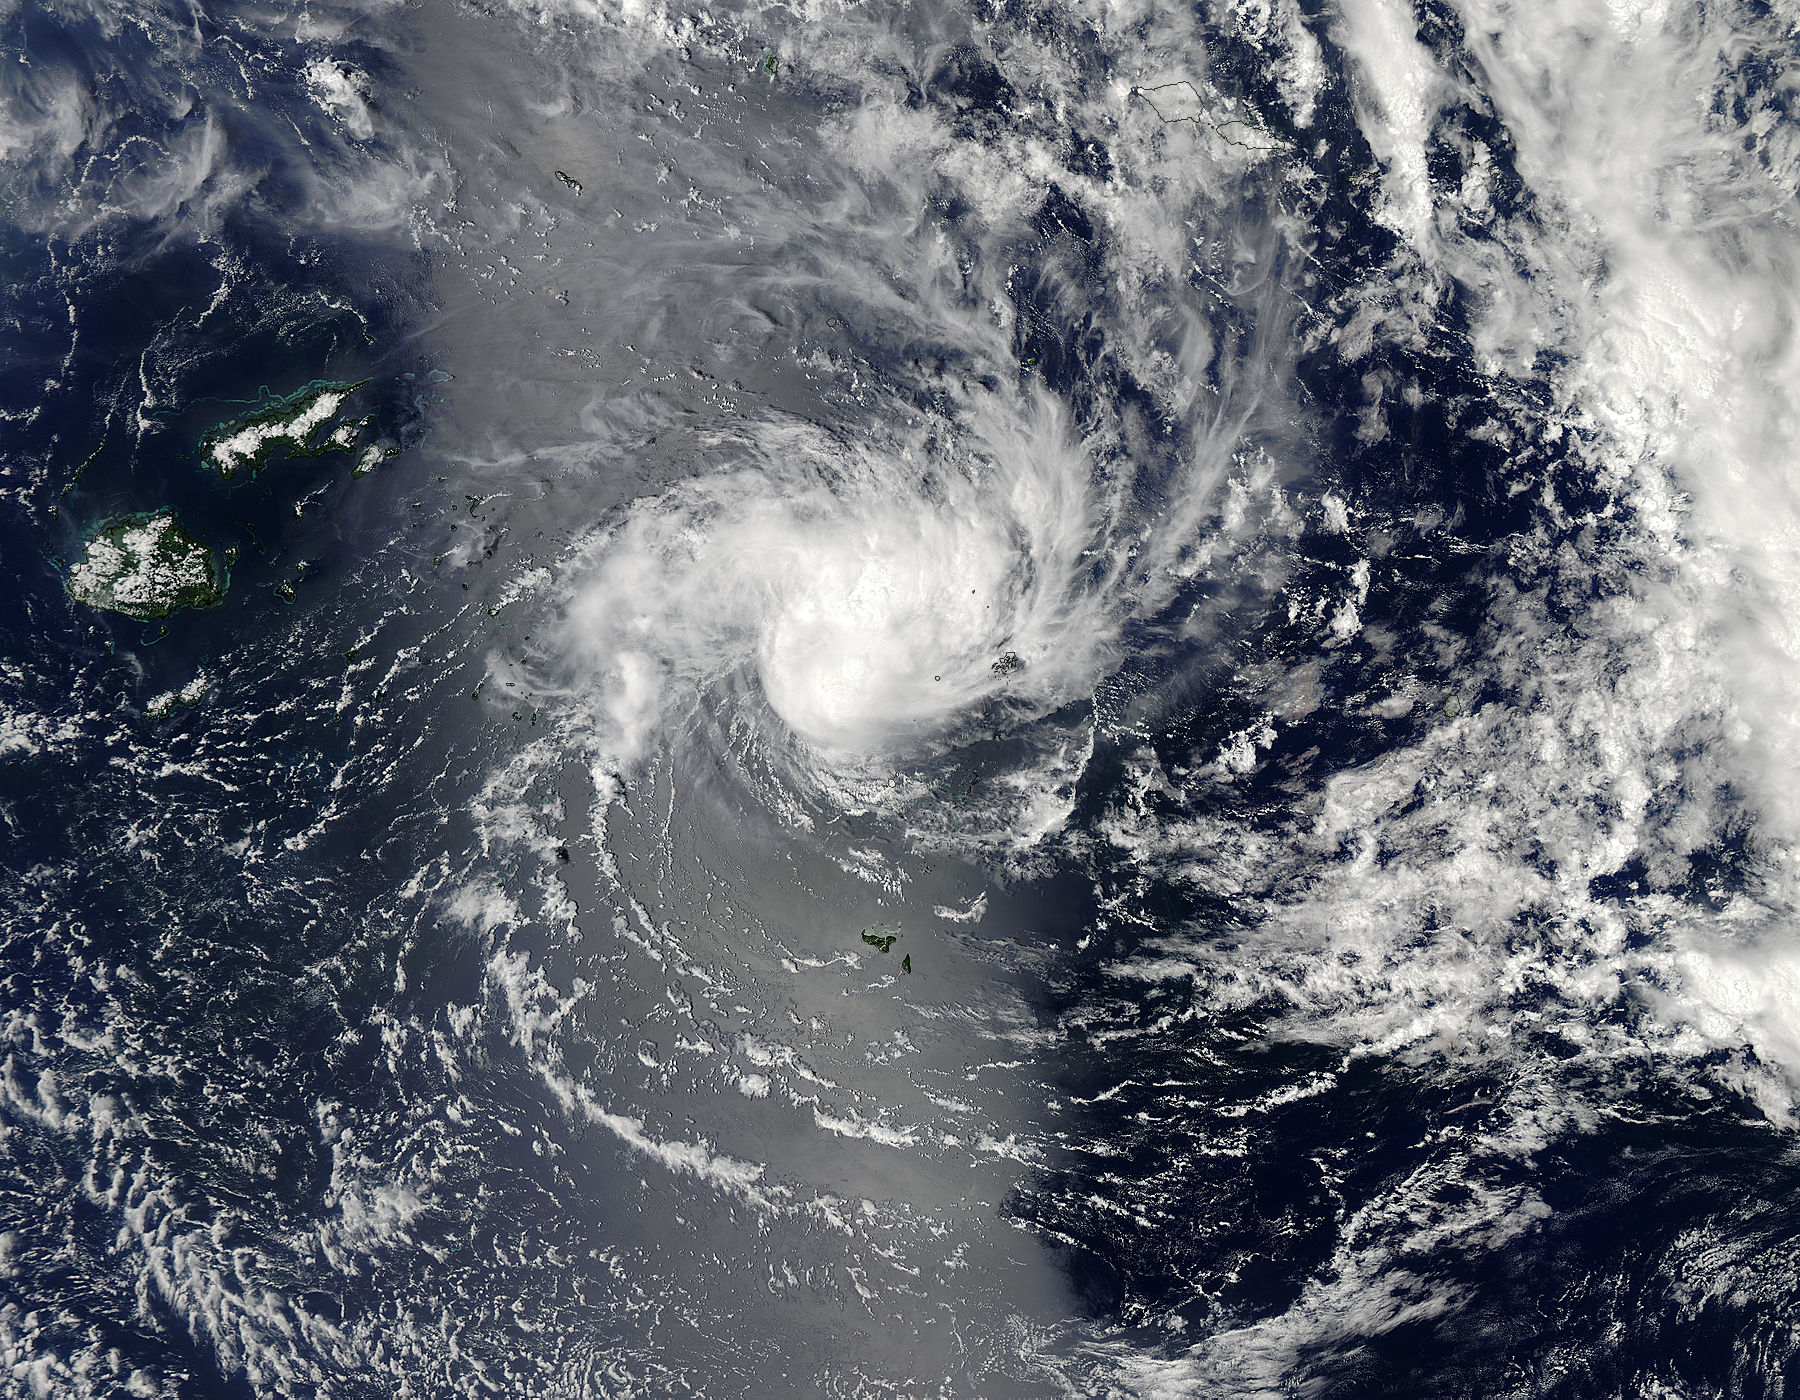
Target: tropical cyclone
(1075,700)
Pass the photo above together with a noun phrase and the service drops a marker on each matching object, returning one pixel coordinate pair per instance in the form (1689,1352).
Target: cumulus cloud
(343,91)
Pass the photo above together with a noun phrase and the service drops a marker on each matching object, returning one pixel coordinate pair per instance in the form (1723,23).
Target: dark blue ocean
(1015,700)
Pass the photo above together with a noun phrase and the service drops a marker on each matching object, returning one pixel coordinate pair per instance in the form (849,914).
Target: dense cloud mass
(964,700)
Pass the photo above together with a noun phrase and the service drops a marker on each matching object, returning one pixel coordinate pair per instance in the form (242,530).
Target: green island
(279,423)
(146,566)
(881,937)
(959,787)
(187,698)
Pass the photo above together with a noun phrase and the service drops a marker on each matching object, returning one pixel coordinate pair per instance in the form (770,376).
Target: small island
(1182,102)
(247,443)
(146,566)
(1174,102)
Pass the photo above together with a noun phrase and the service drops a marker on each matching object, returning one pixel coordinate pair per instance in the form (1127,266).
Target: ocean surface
(1024,698)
